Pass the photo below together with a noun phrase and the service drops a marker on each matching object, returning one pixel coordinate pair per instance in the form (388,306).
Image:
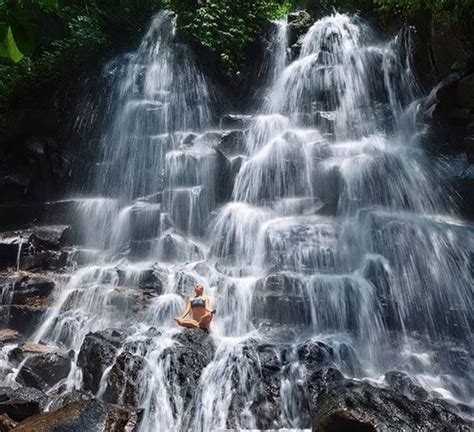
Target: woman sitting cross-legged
(201,314)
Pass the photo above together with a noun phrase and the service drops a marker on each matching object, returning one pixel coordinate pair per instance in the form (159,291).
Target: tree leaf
(23,31)
(8,47)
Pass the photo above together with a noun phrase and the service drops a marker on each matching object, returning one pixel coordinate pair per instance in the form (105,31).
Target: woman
(199,305)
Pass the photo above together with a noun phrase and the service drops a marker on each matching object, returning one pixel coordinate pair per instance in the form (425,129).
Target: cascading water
(337,231)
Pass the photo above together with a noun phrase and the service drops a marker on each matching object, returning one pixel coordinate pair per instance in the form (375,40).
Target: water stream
(334,228)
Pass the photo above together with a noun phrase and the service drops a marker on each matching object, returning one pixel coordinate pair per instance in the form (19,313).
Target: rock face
(21,403)
(31,168)
(24,300)
(279,298)
(97,353)
(23,289)
(23,318)
(358,406)
(85,416)
(449,113)
(123,380)
(298,23)
(44,371)
(401,383)
(188,358)
(38,247)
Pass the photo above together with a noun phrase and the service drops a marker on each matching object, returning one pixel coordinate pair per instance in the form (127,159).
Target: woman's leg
(205,320)
(188,323)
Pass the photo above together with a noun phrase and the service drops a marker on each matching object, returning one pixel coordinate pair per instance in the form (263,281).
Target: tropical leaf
(8,46)
(23,31)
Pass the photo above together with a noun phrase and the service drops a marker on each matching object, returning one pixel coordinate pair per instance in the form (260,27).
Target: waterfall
(333,228)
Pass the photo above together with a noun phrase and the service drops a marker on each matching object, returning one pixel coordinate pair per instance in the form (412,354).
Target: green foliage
(457,14)
(17,27)
(446,9)
(226,27)
(45,41)
(324,7)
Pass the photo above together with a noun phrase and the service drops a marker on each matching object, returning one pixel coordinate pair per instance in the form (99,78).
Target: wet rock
(315,355)
(9,246)
(140,249)
(236,121)
(56,402)
(6,423)
(469,145)
(298,24)
(45,260)
(123,380)
(208,139)
(269,359)
(348,360)
(13,184)
(51,236)
(464,185)
(184,283)
(377,271)
(44,371)
(401,383)
(41,252)
(188,358)
(22,318)
(325,121)
(189,138)
(228,168)
(266,406)
(280,298)
(358,406)
(144,221)
(8,335)
(320,379)
(173,247)
(448,111)
(128,300)
(224,183)
(98,352)
(85,416)
(232,143)
(465,92)
(18,354)
(19,404)
(154,198)
(152,279)
(60,212)
(20,288)
(197,340)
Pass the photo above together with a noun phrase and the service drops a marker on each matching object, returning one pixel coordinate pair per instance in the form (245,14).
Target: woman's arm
(187,310)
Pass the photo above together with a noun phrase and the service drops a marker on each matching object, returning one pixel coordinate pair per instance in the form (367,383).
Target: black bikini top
(198,302)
